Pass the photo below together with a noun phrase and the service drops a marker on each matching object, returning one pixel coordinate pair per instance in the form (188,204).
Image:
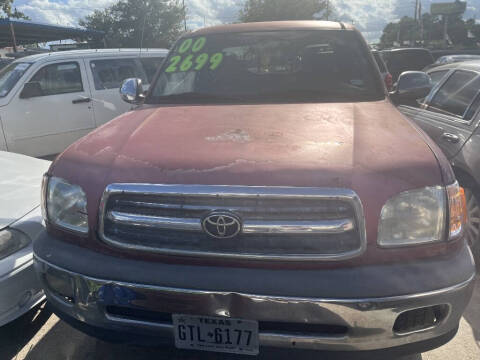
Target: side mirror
(30,90)
(411,85)
(131,91)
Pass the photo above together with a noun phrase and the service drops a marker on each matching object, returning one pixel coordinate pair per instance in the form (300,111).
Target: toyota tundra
(264,196)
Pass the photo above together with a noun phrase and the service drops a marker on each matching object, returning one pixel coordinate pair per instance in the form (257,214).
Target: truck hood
(20,185)
(368,147)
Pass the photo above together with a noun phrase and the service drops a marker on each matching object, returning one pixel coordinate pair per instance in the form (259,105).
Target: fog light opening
(60,284)
(420,319)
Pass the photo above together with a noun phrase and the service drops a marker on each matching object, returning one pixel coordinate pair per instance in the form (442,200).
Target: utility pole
(184,15)
(422,29)
(445,30)
(328,8)
(416,11)
(12,34)
(414,32)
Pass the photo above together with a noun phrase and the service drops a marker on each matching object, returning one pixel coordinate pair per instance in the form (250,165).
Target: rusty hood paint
(368,147)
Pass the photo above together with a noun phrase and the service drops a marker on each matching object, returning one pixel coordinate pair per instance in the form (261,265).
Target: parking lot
(39,333)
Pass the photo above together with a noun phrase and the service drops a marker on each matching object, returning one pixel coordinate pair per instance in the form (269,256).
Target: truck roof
(90,52)
(275,26)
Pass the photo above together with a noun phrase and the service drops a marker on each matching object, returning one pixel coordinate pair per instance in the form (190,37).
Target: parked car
(450,59)
(450,116)
(386,76)
(48,101)
(20,223)
(247,206)
(406,59)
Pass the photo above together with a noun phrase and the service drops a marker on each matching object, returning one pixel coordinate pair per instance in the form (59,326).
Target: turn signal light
(457,211)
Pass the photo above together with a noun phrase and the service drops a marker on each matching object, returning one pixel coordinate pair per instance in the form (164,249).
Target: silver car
(20,222)
(450,116)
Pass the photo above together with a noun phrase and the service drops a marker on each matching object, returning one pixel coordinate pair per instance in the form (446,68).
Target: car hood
(368,147)
(20,185)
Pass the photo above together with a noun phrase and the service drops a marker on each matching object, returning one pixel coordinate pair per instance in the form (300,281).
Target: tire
(472,233)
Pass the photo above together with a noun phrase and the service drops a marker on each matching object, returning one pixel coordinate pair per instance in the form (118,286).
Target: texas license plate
(205,333)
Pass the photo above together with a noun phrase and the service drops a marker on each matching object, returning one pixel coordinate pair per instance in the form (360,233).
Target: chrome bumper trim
(249,227)
(298,227)
(369,321)
(156,222)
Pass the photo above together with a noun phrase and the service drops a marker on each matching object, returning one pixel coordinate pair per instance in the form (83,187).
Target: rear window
(110,73)
(284,66)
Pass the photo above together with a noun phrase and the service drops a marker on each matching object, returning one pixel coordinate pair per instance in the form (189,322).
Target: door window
(457,94)
(61,78)
(436,76)
(151,65)
(110,73)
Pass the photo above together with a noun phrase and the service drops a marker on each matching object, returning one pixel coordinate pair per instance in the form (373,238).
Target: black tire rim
(472,232)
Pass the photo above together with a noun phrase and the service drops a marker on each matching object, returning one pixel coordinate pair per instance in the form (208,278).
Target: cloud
(370,16)
(61,12)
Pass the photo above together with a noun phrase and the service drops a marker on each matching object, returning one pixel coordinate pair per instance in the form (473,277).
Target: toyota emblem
(222,225)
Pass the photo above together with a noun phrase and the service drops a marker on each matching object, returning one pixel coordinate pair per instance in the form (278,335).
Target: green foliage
(158,22)
(271,10)
(7,12)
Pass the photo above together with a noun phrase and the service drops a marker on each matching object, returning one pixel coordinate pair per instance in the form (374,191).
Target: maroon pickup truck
(265,197)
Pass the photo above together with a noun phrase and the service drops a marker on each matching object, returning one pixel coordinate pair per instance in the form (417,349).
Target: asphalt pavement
(40,335)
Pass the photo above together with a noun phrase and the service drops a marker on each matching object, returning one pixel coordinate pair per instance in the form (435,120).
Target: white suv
(50,100)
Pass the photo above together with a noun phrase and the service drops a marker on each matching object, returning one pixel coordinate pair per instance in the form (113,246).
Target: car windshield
(10,75)
(315,65)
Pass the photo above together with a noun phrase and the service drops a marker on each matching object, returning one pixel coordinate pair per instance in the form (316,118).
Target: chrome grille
(278,223)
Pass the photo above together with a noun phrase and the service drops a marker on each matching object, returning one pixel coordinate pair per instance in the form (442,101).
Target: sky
(370,16)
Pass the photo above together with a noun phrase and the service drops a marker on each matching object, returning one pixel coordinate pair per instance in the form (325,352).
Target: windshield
(10,75)
(268,66)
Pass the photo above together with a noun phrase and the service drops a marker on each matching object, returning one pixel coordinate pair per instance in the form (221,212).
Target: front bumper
(19,289)
(110,304)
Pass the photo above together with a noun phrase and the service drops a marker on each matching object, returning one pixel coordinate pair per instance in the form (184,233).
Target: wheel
(472,233)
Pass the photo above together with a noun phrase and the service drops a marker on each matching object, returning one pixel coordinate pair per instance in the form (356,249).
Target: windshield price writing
(190,58)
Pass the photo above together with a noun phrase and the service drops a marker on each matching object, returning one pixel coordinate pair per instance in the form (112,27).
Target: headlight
(420,216)
(65,205)
(413,217)
(12,241)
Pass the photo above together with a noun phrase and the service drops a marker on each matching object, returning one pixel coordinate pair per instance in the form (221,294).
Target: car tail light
(389,81)
(457,210)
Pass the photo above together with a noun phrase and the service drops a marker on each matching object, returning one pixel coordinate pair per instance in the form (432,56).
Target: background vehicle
(20,223)
(450,59)
(47,101)
(450,116)
(408,59)
(383,69)
(247,197)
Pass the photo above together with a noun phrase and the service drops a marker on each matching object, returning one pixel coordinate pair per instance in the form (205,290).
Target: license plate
(234,336)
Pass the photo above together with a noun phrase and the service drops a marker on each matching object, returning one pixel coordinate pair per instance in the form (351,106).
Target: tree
(135,23)
(270,10)
(460,32)
(6,11)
